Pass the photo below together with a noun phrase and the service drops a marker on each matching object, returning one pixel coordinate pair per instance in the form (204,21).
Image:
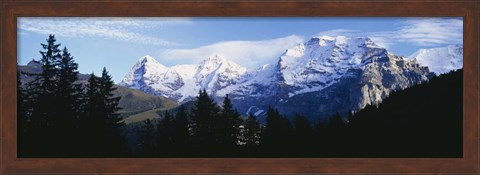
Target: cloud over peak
(245,53)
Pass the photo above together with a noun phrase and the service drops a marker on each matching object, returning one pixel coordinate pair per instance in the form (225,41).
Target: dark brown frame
(9,10)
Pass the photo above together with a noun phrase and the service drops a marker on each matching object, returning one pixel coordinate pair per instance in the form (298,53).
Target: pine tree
(68,92)
(100,118)
(50,56)
(165,132)
(181,133)
(278,131)
(67,97)
(303,130)
(336,121)
(44,86)
(42,103)
(227,125)
(146,141)
(272,127)
(252,131)
(113,139)
(203,116)
(92,100)
(91,122)
(23,127)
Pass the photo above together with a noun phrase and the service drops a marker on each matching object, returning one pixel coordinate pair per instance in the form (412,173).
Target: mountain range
(317,78)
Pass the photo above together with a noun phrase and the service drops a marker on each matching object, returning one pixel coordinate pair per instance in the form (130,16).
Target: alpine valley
(317,79)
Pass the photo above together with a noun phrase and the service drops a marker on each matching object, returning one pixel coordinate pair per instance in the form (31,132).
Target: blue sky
(117,43)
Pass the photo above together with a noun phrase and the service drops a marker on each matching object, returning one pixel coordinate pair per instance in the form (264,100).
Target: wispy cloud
(421,32)
(432,31)
(245,53)
(418,31)
(113,28)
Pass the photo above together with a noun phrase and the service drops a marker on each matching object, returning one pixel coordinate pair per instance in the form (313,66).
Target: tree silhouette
(165,133)
(303,134)
(278,131)
(252,131)
(203,116)
(146,140)
(23,130)
(227,125)
(113,138)
(100,118)
(67,102)
(42,101)
(180,133)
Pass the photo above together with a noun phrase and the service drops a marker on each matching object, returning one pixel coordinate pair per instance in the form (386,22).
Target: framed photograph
(239,87)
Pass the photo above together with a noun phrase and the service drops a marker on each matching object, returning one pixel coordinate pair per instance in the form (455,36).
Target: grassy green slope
(135,101)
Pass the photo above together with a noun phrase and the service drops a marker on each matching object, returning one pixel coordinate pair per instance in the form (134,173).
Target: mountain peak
(368,42)
(151,62)
(215,59)
(320,40)
(341,40)
(145,67)
(147,58)
(218,61)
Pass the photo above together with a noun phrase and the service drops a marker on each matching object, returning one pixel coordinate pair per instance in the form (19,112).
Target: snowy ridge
(182,82)
(440,60)
(321,61)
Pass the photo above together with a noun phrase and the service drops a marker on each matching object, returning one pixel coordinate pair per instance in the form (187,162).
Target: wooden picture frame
(10,10)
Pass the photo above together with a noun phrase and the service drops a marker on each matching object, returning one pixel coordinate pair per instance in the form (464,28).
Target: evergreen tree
(303,130)
(43,104)
(146,141)
(181,133)
(227,125)
(278,131)
(23,128)
(113,139)
(272,127)
(68,92)
(165,132)
(90,122)
(100,118)
(50,56)
(43,87)
(336,121)
(67,98)
(252,131)
(203,116)
(92,100)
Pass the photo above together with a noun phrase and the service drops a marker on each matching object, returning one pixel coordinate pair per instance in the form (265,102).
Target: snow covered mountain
(440,60)
(317,78)
(182,82)
(326,75)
